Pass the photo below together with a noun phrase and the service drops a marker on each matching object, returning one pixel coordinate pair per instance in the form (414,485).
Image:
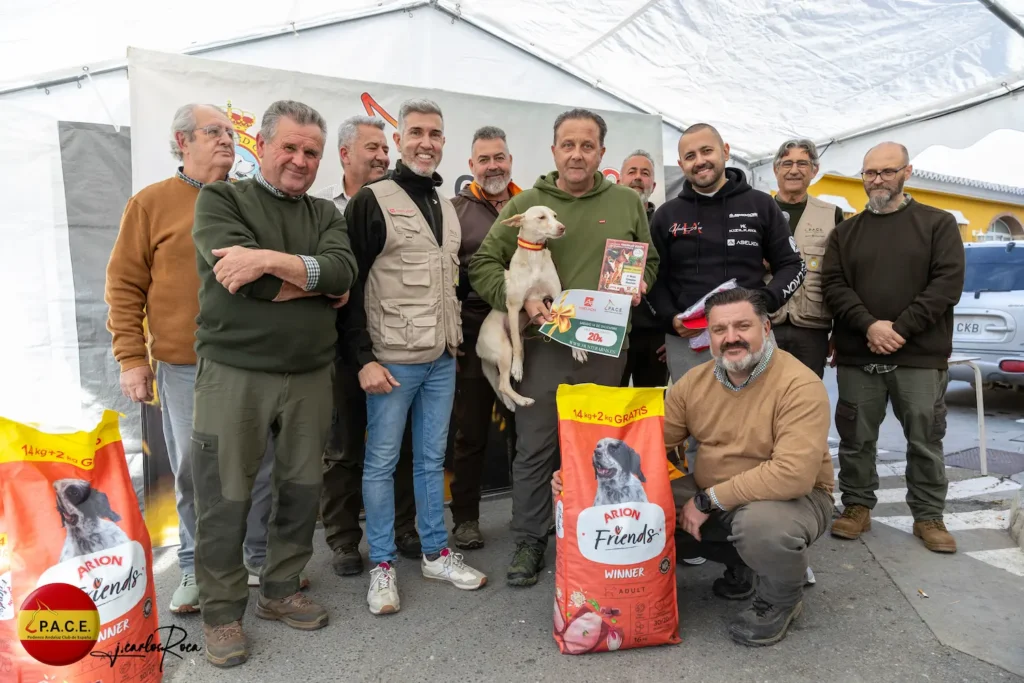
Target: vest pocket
(813,299)
(416,269)
(410,325)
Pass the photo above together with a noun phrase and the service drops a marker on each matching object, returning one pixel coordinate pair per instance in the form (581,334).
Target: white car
(989,318)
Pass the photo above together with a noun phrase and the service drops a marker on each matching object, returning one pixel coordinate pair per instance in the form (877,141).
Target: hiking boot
(408,545)
(383,594)
(737,583)
(254,577)
(296,611)
(854,520)
(527,562)
(225,644)
(467,535)
(936,538)
(186,595)
(450,567)
(347,561)
(762,623)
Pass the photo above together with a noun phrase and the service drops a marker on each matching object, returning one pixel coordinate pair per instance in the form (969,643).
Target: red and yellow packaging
(615,572)
(69,515)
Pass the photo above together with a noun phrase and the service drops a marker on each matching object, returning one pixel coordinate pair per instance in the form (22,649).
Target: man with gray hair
(151,275)
(402,328)
(363,149)
(477,206)
(802,324)
(274,264)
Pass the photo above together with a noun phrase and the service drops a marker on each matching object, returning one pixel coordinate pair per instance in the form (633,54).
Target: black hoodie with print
(704,241)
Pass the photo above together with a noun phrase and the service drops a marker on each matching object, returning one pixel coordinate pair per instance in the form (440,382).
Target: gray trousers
(769,536)
(546,364)
(681,359)
(176,387)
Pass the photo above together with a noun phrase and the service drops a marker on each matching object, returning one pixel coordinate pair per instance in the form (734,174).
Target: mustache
(703,167)
(734,345)
(637,183)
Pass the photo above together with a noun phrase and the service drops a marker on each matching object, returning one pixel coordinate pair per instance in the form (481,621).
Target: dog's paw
(517,369)
(579,355)
(509,403)
(525,402)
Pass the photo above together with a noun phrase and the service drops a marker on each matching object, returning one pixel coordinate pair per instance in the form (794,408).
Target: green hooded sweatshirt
(607,211)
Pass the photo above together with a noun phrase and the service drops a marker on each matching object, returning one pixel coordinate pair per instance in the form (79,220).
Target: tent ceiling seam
(612,31)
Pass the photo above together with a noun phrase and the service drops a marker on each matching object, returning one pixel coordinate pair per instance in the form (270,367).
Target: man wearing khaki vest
(403,329)
(803,323)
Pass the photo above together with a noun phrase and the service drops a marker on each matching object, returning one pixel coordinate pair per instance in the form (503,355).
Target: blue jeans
(429,389)
(175,387)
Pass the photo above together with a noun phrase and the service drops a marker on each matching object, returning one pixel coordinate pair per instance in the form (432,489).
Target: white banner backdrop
(160,83)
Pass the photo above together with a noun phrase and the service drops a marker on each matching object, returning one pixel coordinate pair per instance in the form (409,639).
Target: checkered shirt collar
(271,189)
(722,376)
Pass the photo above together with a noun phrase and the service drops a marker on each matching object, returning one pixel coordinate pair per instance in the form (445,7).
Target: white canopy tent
(843,72)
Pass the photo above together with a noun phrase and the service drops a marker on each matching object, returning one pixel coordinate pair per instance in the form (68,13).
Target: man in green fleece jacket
(273,263)
(593,210)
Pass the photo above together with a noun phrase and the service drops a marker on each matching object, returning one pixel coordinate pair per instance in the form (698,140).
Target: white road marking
(968,488)
(1010,559)
(834,451)
(956,521)
(168,559)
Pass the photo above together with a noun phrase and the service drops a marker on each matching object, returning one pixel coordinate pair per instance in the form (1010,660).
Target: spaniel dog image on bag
(618,473)
(86,515)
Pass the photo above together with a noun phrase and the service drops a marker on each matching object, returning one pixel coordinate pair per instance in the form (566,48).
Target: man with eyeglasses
(803,323)
(892,275)
(152,275)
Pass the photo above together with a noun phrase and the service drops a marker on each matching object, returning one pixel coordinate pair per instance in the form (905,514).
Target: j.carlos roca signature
(140,650)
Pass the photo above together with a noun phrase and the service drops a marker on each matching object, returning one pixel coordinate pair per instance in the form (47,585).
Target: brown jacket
(152,275)
(777,450)
(476,216)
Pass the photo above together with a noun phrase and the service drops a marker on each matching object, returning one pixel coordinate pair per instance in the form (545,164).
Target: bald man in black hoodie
(718,228)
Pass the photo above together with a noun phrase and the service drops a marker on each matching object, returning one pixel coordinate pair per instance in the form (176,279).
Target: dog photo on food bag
(619,475)
(87,518)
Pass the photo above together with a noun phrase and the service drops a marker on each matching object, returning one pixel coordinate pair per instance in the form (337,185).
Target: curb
(1017,519)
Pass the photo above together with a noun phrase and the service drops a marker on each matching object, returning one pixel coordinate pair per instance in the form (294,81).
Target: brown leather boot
(296,611)
(854,520)
(936,538)
(225,644)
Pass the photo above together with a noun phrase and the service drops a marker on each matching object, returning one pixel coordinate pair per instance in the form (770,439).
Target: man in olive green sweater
(273,265)
(593,210)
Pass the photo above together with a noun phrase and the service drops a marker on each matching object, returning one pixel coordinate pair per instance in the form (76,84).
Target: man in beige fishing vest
(402,329)
(803,323)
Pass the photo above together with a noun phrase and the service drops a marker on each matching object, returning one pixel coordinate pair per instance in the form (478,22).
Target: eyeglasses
(803,164)
(887,174)
(215,131)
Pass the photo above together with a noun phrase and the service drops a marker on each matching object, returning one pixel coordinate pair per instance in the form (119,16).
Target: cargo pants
(234,410)
(771,537)
(546,364)
(918,398)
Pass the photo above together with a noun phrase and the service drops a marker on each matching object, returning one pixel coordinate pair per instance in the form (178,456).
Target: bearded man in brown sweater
(891,276)
(761,491)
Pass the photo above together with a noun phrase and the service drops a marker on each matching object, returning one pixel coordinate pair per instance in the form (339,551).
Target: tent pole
(1004,15)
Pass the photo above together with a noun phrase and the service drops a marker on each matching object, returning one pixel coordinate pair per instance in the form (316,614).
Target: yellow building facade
(979,204)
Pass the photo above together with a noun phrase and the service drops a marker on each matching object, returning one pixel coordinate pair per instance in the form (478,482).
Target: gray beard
(748,363)
(495,184)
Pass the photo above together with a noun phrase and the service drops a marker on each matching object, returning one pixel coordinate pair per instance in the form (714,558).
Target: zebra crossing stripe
(1010,559)
(955,521)
(968,488)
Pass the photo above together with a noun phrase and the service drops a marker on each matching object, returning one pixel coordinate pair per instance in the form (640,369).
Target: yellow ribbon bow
(561,317)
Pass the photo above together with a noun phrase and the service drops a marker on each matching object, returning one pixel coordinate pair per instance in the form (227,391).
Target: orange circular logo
(58,624)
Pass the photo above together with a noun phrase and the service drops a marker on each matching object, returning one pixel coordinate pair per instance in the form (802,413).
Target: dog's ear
(103,508)
(634,464)
(514,222)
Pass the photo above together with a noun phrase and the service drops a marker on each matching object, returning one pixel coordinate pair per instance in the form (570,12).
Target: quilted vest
(806,308)
(412,312)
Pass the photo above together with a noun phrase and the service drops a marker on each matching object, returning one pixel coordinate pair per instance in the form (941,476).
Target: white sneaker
(383,594)
(450,567)
(695,561)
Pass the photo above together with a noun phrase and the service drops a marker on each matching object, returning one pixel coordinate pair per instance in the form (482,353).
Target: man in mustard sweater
(151,275)
(593,210)
(761,492)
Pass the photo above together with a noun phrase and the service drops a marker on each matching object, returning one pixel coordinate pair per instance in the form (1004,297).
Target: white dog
(531,276)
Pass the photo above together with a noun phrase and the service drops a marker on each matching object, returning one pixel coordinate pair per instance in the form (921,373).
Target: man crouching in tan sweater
(761,491)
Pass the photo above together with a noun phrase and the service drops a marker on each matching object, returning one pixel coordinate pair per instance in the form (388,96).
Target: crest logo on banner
(246,161)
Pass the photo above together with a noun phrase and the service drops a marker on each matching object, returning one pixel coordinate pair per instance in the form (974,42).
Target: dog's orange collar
(529,246)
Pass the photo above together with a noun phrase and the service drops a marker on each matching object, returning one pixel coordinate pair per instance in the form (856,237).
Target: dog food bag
(69,515)
(615,572)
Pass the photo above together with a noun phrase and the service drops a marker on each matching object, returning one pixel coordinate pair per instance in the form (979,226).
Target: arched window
(1005,227)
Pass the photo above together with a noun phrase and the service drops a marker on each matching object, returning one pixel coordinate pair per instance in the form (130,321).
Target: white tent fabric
(758,69)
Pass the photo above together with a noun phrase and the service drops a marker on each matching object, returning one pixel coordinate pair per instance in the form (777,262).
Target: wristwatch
(703,502)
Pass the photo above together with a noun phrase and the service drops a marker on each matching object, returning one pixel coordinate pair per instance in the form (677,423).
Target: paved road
(864,620)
